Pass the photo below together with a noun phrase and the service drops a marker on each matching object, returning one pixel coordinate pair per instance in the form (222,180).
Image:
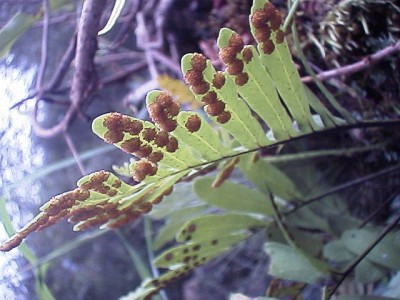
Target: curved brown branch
(84,80)
(358,66)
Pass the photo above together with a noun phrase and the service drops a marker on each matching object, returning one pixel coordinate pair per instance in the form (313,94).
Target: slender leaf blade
(259,91)
(240,123)
(234,197)
(287,263)
(279,64)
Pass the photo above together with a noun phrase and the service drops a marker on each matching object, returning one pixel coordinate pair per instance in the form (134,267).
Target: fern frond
(260,81)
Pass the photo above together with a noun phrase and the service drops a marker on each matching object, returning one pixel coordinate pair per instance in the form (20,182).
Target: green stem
(290,16)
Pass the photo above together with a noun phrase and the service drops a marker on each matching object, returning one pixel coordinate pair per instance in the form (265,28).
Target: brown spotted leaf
(203,238)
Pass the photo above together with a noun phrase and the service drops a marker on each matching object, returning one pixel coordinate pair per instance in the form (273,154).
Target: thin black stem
(354,264)
(346,185)
(380,208)
(281,224)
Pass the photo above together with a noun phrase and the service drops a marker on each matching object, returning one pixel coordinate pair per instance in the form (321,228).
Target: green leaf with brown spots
(259,90)
(266,26)
(211,226)
(194,253)
(218,92)
(202,239)
(195,132)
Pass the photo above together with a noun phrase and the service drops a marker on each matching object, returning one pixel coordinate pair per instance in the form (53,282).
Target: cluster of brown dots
(117,124)
(190,257)
(213,106)
(143,168)
(194,77)
(136,209)
(67,205)
(265,21)
(228,56)
(145,143)
(57,209)
(163,111)
(94,215)
(107,212)
(97,183)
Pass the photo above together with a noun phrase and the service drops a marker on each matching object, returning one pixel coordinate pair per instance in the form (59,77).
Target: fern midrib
(367,124)
(204,142)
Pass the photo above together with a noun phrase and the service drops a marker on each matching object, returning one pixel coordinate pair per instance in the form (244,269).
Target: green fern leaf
(203,238)
(268,178)
(275,55)
(218,92)
(287,263)
(385,254)
(233,197)
(258,91)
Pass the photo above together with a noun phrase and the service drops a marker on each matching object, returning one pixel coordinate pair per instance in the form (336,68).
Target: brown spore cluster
(142,169)
(72,205)
(98,184)
(57,209)
(163,111)
(136,209)
(193,123)
(99,213)
(117,124)
(215,107)
(265,21)
(235,66)
(145,143)
(194,77)
(218,80)
(106,212)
